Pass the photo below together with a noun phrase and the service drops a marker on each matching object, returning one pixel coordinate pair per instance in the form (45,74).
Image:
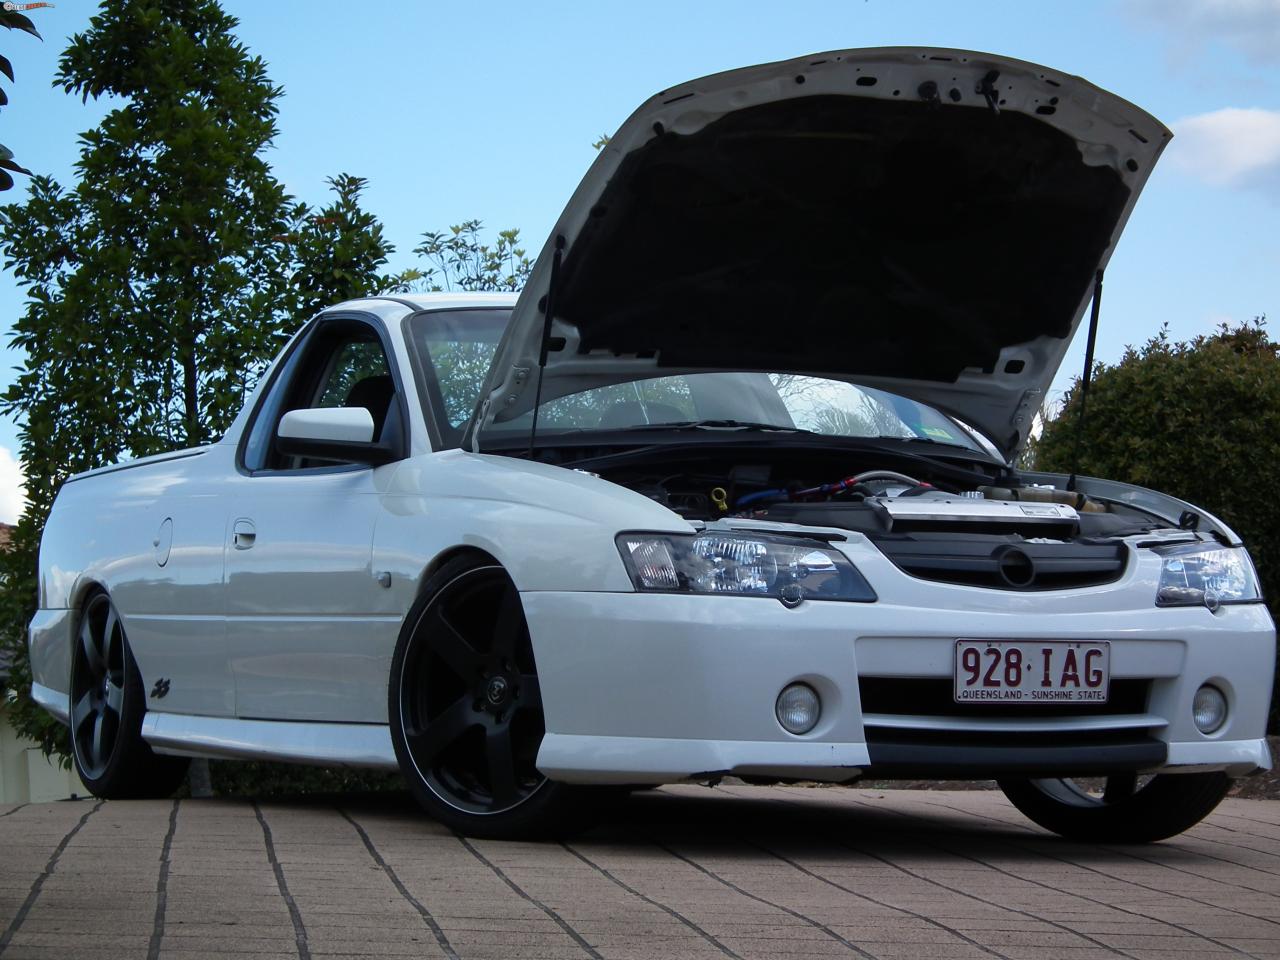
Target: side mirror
(339,434)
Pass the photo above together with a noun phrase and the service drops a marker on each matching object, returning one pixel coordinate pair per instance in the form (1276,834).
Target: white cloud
(1250,26)
(13,496)
(1232,147)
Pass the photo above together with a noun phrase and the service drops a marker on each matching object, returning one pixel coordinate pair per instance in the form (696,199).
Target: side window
(341,364)
(353,362)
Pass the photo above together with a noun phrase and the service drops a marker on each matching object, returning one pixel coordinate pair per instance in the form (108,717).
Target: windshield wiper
(940,443)
(716,425)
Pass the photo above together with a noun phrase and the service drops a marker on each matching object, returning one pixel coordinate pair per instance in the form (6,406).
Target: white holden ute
(726,491)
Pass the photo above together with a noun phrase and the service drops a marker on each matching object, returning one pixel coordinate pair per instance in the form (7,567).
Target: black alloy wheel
(97,686)
(466,706)
(107,706)
(1121,808)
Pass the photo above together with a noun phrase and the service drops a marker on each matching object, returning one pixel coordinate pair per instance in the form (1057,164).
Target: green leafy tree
(459,260)
(11,20)
(1195,419)
(336,251)
(154,284)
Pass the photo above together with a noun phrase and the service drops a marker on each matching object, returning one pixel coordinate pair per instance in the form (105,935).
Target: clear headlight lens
(742,564)
(1196,574)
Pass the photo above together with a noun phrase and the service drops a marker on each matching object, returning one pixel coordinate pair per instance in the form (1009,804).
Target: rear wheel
(466,707)
(1123,808)
(107,706)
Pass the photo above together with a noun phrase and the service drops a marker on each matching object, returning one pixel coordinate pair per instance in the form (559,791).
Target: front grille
(1004,563)
(934,697)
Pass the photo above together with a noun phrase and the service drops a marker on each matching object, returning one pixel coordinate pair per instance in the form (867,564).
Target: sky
(460,111)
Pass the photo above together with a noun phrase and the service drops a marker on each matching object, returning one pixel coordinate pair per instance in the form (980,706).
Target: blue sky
(489,111)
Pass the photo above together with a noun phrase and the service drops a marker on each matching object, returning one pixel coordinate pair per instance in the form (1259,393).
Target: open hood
(924,221)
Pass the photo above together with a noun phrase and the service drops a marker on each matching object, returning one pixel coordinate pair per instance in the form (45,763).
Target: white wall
(26,776)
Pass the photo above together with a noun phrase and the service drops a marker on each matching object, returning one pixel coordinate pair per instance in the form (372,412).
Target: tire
(1126,811)
(465,709)
(107,706)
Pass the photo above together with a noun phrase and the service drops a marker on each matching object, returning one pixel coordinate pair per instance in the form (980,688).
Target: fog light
(798,708)
(1208,710)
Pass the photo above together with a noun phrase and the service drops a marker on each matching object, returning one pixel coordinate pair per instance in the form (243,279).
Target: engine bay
(880,496)
(966,522)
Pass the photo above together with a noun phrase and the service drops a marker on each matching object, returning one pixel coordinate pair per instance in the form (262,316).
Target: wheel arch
(77,600)
(449,555)
(83,590)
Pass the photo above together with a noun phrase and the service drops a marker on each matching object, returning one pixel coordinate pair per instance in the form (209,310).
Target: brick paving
(681,872)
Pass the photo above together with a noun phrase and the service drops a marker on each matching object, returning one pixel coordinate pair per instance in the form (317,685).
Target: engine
(875,499)
(952,522)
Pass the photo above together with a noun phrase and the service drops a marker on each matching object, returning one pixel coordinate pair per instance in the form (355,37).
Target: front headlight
(741,564)
(1196,573)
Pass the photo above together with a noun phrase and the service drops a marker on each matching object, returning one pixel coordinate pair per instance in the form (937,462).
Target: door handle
(244,535)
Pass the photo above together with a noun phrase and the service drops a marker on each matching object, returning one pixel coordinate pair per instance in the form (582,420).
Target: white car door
(169,589)
(308,633)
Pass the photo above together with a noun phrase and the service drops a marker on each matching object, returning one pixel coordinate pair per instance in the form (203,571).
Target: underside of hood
(928,222)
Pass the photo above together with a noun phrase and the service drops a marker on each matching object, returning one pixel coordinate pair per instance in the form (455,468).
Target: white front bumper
(649,688)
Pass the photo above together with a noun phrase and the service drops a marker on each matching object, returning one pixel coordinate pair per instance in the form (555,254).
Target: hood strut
(1086,377)
(548,312)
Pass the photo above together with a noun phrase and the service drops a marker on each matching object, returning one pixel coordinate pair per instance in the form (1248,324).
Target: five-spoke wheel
(466,706)
(107,706)
(97,686)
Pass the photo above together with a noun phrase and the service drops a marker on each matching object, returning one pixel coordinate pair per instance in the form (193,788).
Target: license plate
(1024,671)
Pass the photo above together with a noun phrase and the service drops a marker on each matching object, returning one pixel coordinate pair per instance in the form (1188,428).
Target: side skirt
(56,703)
(327,744)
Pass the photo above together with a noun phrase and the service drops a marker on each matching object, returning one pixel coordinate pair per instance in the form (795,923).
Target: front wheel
(1122,808)
(465,708)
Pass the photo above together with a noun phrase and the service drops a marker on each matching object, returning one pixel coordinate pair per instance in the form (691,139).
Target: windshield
(455,347)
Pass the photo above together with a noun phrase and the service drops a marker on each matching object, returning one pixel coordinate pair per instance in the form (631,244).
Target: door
(304,636)
(168,519)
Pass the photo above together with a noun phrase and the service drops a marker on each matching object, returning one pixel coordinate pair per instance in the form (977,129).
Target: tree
(12,20)
(154,284)
(182,204)
(459,260)
(1194,419)
(336,251)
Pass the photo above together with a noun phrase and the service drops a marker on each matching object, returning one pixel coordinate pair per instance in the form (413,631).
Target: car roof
(438,301)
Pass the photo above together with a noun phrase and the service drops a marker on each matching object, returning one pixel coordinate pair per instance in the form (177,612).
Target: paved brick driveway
(681,872)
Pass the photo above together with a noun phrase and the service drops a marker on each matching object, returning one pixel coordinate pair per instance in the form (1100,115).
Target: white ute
(726,491)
